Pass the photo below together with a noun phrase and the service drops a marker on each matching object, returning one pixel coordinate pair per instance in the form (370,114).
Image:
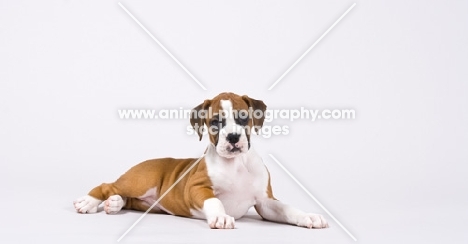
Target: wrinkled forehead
(228,105)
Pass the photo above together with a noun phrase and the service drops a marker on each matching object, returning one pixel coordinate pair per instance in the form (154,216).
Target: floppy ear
(197,118)
(256,105)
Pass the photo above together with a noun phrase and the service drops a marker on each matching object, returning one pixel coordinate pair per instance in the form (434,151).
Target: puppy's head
(230,119)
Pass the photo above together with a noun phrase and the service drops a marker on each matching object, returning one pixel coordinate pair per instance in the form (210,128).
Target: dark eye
(243,118)
(243,121)
(214,122)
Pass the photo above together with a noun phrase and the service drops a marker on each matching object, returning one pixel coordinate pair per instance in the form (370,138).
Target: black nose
(233,138)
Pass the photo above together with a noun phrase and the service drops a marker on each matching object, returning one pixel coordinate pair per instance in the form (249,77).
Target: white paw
(311,220)
(222,221)
(113,204)
(86,204)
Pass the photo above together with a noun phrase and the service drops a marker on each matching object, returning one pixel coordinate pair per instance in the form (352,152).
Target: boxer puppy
(220,186)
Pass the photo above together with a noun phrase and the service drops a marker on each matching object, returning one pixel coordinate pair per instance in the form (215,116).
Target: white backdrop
(395,174)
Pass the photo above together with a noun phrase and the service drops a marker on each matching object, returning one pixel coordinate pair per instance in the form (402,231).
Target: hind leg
(114,204)
(105,192)
(89,204)
(86,204)
(133,184)
(115,194)
(140,205)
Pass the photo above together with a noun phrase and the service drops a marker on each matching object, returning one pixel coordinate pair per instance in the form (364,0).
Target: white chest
(238,182)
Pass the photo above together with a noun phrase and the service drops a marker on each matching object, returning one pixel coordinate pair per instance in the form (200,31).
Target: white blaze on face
(224,147)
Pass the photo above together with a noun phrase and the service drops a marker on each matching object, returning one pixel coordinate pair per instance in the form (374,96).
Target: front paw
(311,220)
(221,221)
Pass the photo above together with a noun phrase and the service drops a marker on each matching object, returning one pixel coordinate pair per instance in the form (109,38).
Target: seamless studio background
(395,174)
